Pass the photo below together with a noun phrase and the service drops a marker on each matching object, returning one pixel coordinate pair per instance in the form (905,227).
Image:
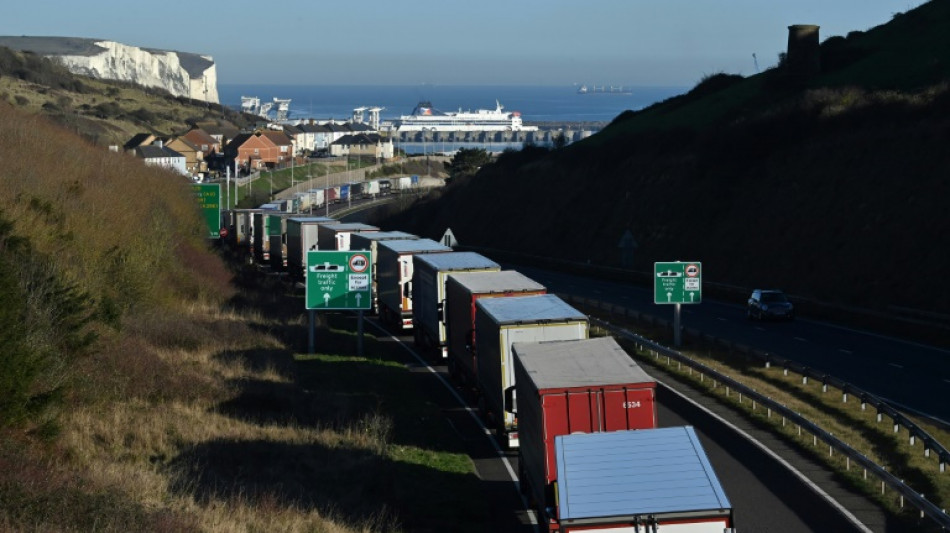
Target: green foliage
(40,70)
(467,161)
(43,323)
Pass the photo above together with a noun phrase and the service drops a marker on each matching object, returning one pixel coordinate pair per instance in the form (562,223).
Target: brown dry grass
(146,409)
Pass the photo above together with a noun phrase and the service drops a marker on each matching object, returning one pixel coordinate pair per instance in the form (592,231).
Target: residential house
(252,151)
(297,136)
(363,144)
(284,144)
(194,156)
(204,141)
(159,155)
(139,139)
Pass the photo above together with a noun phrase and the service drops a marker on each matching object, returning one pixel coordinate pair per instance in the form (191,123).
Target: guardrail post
(880,416)
(844,397)
(824,387)
(785,371)
(897,427)
(804,380)
(913,439)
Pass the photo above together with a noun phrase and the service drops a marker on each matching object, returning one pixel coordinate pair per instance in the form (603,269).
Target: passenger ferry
(426,118)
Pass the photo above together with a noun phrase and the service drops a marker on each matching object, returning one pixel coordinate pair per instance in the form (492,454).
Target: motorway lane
(908,374)
(766,496)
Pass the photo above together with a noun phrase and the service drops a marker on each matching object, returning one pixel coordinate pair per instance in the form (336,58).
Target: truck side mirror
(511,400)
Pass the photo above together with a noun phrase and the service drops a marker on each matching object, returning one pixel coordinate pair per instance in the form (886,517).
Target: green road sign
(209,200)
(339,280)
(678,283)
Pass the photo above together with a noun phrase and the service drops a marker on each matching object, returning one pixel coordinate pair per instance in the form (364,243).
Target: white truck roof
(314,220)
(350,226)
(494,282)
(529,309)
(404,246)
(562,364)
(388,236)
(456,261)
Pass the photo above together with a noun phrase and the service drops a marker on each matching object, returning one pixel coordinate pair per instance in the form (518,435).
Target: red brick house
(253,151)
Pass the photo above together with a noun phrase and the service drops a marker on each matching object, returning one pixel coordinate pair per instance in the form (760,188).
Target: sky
(452,42)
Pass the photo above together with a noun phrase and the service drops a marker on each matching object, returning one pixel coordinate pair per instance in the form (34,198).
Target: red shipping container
(566,387)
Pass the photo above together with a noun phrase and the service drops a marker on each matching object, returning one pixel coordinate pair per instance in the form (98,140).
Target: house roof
(151,151)
(358,139)
(184,140)
(277,137)
(137,140)
(199,136)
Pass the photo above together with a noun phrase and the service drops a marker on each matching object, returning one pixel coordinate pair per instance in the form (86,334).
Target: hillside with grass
(150,385)
(832,187)
(102,111)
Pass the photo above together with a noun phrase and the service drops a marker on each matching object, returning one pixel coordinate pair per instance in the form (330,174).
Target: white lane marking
(800,339)
(471,412)
(895,365)
(842,350)
(946,381)
(721,319)
(802,477)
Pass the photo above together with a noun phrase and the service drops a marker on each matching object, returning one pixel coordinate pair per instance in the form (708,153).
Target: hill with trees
(832,186)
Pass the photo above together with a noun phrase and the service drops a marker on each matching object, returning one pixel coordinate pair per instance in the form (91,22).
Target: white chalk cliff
(179,73)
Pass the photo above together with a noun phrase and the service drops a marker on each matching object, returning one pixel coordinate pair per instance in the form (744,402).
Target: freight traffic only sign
(678,282)
(338,280)
(209,200)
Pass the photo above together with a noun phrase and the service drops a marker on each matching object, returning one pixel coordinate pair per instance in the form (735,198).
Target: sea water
(557,104)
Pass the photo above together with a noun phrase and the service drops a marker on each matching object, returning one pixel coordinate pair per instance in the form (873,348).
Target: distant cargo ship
(604,89)
(426,118)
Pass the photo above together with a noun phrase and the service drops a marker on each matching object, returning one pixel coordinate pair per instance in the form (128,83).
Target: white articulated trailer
(394,281)
(430,272)
(501,322)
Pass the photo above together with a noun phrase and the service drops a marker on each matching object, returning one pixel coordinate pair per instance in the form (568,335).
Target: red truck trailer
(573,386)
(462,290)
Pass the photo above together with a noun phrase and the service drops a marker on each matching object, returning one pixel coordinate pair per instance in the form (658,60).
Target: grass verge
(830,409)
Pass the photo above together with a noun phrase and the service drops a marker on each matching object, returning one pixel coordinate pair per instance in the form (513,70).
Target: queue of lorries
(581,412)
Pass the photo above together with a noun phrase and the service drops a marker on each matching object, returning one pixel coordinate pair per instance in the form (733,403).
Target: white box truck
(429,275)
(337,236)
(461,292)
(368,241)
(501,322)
(394,281)
(301,238)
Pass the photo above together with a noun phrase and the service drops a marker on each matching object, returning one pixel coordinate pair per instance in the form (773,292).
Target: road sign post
(340,280)
(677,283)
